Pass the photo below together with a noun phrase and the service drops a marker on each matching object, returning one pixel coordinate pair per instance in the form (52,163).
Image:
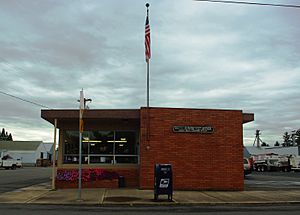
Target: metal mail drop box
(163,181)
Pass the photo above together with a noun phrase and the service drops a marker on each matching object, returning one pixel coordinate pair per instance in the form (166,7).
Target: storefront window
(106,147)
(125,143)
(100,142)
(72,148)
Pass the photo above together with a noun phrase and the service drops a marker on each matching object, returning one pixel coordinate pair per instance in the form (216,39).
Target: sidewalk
(42,194)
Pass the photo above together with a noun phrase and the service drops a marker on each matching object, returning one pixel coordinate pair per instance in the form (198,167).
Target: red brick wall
(131,176)
(200,161)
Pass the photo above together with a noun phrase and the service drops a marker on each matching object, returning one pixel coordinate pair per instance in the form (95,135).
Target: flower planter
(91,178)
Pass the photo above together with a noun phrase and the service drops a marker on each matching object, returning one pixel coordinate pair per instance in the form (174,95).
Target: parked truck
(271,162)
(295,163)
(7,161)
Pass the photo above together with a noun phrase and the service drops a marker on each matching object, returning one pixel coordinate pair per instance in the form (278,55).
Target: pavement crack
(103,197)
(205,193)
(36,197)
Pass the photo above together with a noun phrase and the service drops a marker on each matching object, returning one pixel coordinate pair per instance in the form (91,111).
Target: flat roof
(126,114)
(68,114)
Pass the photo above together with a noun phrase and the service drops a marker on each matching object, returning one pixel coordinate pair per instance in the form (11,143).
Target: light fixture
(92,141)
(117,141)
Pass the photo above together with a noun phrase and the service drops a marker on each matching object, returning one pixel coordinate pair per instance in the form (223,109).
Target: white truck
(295,163)
(271,162)
(6,161)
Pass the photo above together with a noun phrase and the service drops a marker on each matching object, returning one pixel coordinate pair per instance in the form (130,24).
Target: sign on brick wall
(193,129)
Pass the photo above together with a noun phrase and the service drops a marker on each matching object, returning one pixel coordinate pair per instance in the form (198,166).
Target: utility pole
(82,106)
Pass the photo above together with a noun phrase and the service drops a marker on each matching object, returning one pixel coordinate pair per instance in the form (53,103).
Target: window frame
(114,155)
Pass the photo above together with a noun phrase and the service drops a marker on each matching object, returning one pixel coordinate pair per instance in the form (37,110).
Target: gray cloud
(203,56)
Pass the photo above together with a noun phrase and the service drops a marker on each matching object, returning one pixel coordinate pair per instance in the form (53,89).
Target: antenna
(257,139)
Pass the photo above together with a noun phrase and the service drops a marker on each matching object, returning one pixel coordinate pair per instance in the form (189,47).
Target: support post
(54,156)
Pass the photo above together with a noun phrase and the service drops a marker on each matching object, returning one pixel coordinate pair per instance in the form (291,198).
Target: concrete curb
(164,205)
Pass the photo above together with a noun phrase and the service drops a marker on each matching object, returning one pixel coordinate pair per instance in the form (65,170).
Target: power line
(24,100)
(16,97)
(252,3)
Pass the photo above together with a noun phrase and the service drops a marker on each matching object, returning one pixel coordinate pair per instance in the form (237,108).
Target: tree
(2,133)
(277,144)
(286,139)
(264,144)
(297,140)
(9,138)
(5,136)
(297,137)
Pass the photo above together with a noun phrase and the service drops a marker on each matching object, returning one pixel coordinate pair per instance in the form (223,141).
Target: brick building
(204,146)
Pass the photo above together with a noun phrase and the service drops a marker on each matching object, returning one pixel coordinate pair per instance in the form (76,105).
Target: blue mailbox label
(164,183)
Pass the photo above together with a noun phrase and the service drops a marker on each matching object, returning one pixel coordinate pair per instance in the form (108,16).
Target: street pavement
(14,179)
(260,189)
(42,194)
(33,209)
(272,181)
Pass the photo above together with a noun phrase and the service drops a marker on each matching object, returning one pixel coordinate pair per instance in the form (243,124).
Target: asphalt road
(79,210)
(14,179)
(272,181)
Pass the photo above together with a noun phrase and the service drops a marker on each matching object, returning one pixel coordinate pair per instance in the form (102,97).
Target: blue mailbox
(163,181)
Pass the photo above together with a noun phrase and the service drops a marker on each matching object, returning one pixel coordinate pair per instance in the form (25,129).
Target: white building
(49,149)
(28,151)
(292,150)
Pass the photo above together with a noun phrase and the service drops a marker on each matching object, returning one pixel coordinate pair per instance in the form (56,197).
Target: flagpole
(148,60)
(148,95)
(148,54)
(148,90)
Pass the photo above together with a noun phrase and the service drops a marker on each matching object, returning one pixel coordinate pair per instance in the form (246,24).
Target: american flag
(147,39)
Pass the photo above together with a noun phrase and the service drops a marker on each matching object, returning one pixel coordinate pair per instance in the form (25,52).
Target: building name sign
(193,129)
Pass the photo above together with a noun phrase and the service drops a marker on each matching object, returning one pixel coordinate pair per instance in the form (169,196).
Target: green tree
(2,133)
(297,138)
(286,139)
(264,144)
(9,138)
(277,144)
(5,136)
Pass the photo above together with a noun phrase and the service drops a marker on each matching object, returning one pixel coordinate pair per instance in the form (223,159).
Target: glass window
(125,143)
(72,148)
(107,147)
(100,142)
(101,159)
(126,159)
(72,142)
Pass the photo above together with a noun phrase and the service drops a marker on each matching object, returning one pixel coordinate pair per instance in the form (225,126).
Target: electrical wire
(252,3)
(24,100)
(12,67)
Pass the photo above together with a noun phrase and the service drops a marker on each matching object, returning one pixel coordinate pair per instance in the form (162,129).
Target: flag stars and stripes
(147,39)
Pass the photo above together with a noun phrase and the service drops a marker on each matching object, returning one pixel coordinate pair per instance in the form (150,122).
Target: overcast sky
(204,55)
